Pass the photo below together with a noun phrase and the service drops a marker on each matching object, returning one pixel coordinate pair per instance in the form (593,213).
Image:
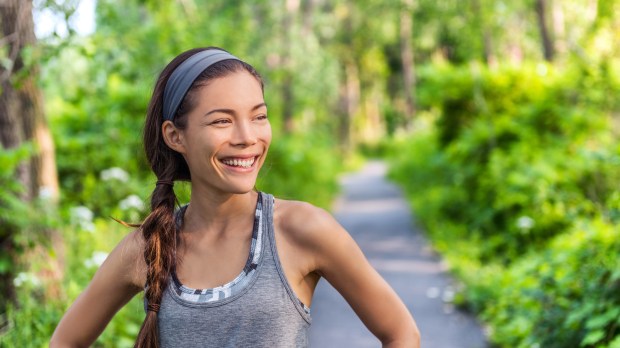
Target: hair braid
(159,232)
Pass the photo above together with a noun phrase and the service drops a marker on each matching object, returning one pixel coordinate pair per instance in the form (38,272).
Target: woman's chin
(242,188)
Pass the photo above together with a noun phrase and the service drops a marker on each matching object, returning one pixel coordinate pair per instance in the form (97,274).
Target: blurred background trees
(500,119)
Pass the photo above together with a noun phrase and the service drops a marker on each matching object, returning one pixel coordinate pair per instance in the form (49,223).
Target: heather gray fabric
(184,75)
(264,314)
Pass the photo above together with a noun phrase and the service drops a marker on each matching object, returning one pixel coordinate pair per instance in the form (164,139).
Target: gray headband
(184,75)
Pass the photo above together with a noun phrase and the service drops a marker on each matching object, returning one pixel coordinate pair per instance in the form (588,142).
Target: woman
(234,267)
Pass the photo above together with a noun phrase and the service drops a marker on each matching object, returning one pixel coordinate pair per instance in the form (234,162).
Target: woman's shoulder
(305,223)
(127,258)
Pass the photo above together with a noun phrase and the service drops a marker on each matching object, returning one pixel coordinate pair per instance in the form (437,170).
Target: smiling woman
(235,267)
(227,135)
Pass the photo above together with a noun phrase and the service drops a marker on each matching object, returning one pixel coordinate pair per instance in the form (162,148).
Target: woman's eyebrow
(258,106)
(232,112)
(225,111)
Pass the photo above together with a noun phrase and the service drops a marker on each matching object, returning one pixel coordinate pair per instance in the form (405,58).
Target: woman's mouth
(239,162)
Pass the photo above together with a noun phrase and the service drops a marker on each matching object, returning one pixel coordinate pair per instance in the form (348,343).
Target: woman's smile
(241,163)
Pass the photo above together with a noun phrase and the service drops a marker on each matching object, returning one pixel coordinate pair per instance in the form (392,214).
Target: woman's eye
(222,121)
(261,117)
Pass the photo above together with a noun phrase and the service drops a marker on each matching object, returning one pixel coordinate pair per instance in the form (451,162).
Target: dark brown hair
(159,229)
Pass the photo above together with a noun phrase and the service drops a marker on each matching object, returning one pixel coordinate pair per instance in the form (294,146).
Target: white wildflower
(96,259)
(81,214)
(83,217)
(525,223)
(114,173)
(131,202)
(45,193)
(87,226)
(23,278)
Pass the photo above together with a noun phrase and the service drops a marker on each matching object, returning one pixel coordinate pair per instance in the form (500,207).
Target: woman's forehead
(236,90)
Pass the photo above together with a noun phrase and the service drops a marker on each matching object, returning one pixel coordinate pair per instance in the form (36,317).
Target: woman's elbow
(408,336)
(416,337)
(57,341)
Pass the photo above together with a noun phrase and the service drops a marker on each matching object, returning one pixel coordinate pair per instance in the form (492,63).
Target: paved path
(377,216)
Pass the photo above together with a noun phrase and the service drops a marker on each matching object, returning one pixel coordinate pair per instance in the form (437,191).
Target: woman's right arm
(119,279)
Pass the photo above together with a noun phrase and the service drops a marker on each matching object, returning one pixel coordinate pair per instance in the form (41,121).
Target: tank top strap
(271,254)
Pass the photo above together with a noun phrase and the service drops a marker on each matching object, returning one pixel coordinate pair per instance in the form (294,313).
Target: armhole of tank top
(303,310)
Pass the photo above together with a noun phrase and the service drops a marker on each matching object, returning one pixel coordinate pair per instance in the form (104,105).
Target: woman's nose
(243,134)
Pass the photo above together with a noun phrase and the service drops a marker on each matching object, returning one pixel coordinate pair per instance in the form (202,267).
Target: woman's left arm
(341,262)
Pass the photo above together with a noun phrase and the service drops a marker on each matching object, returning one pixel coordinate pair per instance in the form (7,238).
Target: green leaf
(615,343)
(593,337)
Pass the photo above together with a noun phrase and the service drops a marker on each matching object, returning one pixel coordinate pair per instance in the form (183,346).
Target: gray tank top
(262,311)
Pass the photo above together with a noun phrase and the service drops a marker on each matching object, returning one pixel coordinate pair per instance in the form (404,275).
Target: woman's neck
(216,212)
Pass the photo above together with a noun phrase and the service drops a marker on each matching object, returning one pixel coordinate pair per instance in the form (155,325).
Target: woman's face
(228,134)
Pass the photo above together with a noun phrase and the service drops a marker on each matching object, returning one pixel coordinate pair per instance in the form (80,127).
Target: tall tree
(547,41)
(22,118)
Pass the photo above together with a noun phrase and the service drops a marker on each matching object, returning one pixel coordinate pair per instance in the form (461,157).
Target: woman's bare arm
(115,283)
(340,261)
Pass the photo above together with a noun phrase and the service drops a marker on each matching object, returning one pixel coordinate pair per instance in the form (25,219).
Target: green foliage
(515,174)
(14,211)
(301,168)
(504,138)
(568,295)
(22,223)
(32,321)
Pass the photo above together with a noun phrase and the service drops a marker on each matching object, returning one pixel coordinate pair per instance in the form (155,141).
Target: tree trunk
(559,28)
(547,42)
(22,120)
(349,104)
(406,55)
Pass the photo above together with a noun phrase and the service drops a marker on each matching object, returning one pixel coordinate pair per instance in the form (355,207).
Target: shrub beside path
(379,219)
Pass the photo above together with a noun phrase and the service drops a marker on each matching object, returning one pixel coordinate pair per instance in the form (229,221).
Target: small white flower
(87,226)
(114,173)
(96,259)
(525,222)
(19,279)
(45,193)
(23,278)
(131,202)
(81,214)
(83,217)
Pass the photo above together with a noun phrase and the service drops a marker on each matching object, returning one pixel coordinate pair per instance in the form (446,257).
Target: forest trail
(379,219)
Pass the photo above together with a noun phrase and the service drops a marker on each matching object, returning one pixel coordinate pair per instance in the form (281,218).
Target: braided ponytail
(159,229)
(159,232)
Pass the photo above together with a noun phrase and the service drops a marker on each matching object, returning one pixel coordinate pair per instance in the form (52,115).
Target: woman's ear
(173,137)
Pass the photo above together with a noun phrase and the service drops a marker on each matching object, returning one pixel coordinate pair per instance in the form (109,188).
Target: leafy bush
(517,180)
(14,212)
(32,321)
(567,295)
(301,168)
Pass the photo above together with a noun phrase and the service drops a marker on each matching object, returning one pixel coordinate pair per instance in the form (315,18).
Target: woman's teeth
(245,163)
